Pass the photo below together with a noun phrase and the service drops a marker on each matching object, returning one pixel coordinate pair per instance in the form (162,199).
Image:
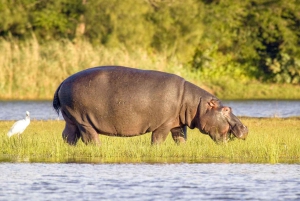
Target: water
(265,108)
(39,110)
(40,181)
(42,110)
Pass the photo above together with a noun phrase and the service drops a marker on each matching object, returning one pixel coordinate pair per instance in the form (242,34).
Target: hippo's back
(120,100)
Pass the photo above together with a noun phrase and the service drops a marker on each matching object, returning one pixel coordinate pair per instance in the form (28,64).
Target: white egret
(19,126)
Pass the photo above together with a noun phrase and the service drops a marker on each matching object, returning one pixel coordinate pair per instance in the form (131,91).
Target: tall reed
(30,70)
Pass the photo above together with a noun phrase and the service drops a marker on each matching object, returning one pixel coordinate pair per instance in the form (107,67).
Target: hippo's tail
(56,102)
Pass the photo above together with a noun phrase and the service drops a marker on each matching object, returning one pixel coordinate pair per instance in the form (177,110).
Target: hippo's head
(220,123)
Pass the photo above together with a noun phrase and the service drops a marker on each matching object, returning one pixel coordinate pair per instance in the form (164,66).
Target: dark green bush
(251,39)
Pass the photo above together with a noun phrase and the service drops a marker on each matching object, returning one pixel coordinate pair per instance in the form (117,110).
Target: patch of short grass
(271,140)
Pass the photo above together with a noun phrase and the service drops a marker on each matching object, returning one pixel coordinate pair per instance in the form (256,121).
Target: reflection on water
(42,110)
(41,181)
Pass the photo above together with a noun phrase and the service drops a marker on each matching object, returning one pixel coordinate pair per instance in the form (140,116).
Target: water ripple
(21,181)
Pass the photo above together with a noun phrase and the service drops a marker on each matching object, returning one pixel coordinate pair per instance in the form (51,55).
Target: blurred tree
(80,28)
(275,39)
(47,19)
(257,38)
(221,47)
(114,23)
(260,37)
(56,18)
(14,20)
(178,27)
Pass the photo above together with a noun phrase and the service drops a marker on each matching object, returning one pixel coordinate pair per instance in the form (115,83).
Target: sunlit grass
(33,71)
(30,70)
(270,141)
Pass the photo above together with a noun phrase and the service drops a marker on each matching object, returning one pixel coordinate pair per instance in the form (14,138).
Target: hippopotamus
(126,102)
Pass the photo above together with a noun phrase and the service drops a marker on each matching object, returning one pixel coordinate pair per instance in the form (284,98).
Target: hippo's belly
(126,118)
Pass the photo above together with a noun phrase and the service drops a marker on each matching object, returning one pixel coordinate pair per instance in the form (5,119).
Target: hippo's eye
(226,111)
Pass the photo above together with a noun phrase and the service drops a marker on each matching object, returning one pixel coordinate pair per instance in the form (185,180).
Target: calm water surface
(265,108)
(41,181)
(42,110)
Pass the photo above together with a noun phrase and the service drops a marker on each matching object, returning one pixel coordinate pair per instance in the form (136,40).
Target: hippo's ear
(214,103)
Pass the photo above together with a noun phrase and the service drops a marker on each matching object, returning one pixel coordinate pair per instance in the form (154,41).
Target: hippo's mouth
(230,135)
(236,132)
(231,131)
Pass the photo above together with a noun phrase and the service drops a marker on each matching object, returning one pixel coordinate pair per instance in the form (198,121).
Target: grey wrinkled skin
(126,102)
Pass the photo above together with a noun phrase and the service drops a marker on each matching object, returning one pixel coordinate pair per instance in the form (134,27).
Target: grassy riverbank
(270,141)
(33,71)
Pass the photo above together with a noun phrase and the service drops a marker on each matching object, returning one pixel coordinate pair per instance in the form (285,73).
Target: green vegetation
(241,46)
(270,141)
(33,71)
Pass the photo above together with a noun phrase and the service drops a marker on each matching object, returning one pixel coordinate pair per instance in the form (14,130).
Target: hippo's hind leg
(89,135)
(71,133)
(179,134)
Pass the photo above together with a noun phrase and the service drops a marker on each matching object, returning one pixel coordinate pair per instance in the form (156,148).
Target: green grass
(34,71)
(271,140)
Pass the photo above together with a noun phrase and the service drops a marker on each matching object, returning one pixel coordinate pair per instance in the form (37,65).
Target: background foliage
(243,40)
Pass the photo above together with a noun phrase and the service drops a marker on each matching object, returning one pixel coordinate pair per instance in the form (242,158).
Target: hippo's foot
(71,134)
(179,135)
(89,135)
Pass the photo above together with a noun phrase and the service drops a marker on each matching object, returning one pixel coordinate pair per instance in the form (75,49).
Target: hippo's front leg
(160,135)
(179,134)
